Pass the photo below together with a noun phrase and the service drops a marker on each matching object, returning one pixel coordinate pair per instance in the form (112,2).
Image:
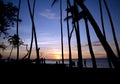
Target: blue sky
(48,27)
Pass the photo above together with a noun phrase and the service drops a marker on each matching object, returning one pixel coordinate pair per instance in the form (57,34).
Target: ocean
(101,62)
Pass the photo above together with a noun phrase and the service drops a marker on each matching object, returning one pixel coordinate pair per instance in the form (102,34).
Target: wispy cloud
(95,43)
(49,14)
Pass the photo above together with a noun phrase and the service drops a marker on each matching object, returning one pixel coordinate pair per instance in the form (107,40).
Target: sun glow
(58,57)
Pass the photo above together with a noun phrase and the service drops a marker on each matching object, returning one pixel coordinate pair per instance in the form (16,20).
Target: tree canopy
(8,16)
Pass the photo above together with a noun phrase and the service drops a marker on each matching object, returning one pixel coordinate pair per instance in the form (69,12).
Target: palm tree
(103,29)
(74,16)
(100,36)
(69,42)
(27,52)
(113,29)
(14,41)
(61,28)
(34,31)
(90,44)
(17,28)
(77,16)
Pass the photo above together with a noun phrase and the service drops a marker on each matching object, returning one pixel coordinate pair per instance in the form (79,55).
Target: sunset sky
(48,29)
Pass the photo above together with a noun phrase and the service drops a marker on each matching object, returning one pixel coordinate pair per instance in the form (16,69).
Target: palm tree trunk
(113,29)
(61,31)
(90,44)
(31,44)
(76,25)
(10,53)
(101,16)
(103,29)
(17,29)
(100,36)
(34,31)
(69,42)
(80,64)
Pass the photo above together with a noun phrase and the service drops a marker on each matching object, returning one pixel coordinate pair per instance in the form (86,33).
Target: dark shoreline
(61,72)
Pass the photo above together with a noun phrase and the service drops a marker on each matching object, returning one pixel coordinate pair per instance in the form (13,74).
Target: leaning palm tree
(90,44)
(24,57)
(61,28)
(113,29)
(34,31)
(17,28)
(103,29)
(99,34)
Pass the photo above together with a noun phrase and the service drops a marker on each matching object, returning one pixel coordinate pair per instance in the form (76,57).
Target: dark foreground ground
(59,73)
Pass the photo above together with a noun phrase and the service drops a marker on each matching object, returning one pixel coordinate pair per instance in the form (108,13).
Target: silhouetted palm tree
(74,15)
(101,16)
(113,29)
(14,41)
(77,16)
(27,52)
(100,36)
(90,44)
(34,31)
(69,37)
(17,28)
(103,29)
(61,28)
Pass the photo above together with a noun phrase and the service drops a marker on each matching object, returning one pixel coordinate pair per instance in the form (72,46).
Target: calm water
(101,62)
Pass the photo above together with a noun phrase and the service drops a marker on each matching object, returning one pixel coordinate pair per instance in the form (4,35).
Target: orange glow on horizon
(54,53)
(58,57)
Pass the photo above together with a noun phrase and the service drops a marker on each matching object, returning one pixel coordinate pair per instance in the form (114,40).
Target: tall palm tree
(101,16)
(103,29)
(90,44)
(33,10)
(34,31)
(17,28)
(69,42)
(100,36)
(74,15)
(113,29)
(61,25)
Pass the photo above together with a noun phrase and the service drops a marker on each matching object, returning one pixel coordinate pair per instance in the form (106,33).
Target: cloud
(96,43)
(48,42)
(49,14)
